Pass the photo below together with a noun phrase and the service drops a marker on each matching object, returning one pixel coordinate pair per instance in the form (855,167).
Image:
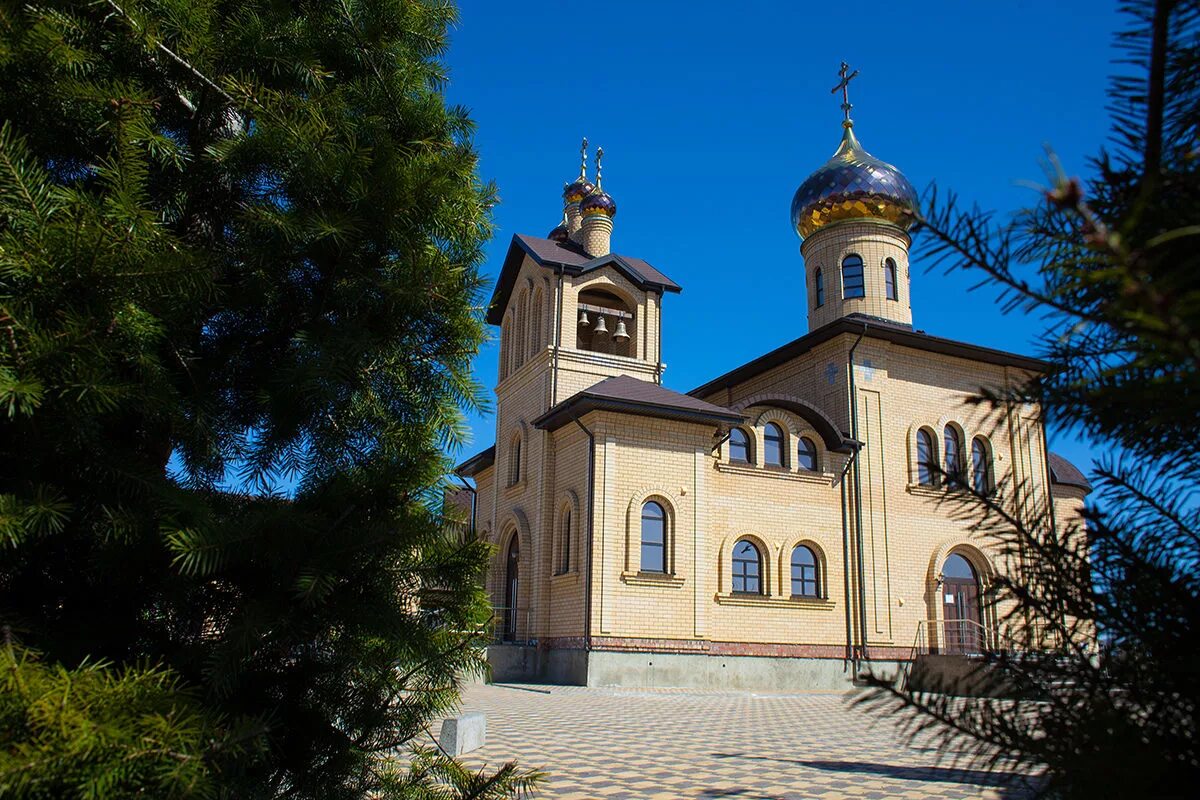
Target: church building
(785,524)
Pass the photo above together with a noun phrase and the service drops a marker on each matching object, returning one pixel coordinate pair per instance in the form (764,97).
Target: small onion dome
(599,202)
(560,233)
(853,185)
(578,190)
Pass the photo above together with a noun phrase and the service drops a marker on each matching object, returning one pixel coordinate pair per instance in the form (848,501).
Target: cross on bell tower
(844,85)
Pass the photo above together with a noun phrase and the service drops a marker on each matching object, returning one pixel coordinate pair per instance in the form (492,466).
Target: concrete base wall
(696,671)
(566,667)
(575,667)
(513,663)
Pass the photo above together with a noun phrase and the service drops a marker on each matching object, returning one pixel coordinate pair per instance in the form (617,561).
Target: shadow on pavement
(936,774)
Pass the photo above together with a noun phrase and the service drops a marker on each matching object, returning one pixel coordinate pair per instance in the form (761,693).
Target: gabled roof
(628,395)
(571,259)
(1065,473)
(873,328)
(477,463)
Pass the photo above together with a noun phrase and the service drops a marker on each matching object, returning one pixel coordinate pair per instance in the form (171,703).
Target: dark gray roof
(477,463)
(571,259)
(876,329)
(632,396)
(1067,474)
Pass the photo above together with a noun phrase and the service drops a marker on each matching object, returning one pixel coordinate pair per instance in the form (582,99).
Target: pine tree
(1099,696)
(239,296)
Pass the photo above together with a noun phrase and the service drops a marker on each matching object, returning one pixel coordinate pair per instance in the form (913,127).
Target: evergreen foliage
(237,239)
(1100,691)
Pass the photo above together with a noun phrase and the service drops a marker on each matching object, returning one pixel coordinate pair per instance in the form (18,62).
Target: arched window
(819,285)
(739,446)
(514,462)
(804,572)
(564,547)
(506,345)
(852,277)
(654,538)
(747,568)
(889,279)
(535,327)
(926,458)
(806,454)
(953,454)
(521,344)
(773,445)
(981,466)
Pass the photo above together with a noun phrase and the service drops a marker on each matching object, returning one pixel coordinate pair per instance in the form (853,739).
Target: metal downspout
(850,651)
(858,537)
(591,490)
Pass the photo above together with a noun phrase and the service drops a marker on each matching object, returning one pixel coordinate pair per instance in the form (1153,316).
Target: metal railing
(964,637)
(511,625)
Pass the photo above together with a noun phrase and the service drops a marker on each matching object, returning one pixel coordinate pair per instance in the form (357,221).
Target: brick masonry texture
(908,530)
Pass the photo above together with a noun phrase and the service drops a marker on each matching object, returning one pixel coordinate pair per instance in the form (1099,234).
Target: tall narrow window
(889,279)
(514,463)
(804,572)
(535,319)
(739,446)
(564,549)
(819,284)
(747,568)
(806,454)
(773,445)
(926,458)
(654,538)
(981,463)
(852,277)
(953,454)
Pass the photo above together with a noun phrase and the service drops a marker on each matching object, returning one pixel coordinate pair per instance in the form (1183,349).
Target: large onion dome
(599,202)
(853,185)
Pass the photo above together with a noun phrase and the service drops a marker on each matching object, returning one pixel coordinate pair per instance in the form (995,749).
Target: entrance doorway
(511,588)
(960,606)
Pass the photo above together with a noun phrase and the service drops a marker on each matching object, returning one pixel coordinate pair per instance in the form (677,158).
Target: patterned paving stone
(667,744)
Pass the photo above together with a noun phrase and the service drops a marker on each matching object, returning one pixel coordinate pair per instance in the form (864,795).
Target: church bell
(620,335)
(600,328)
(583,320)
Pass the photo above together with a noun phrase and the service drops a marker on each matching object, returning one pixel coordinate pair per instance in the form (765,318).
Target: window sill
(565,578)
(925,490)
(514,488)
(764,601)
(652,579)
(779,473)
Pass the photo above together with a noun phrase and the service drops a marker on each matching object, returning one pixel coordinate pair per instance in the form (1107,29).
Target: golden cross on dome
(844,85)
(583,160)
(599,155)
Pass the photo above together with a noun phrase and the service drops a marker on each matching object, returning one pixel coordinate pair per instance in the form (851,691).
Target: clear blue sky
(711,114)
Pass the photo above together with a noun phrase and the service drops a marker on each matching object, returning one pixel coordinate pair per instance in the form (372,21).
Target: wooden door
(960,607)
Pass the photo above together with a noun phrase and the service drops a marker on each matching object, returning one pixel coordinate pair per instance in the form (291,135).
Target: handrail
(511,625)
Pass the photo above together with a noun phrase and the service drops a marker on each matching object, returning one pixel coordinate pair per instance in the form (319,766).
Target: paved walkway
(666,744)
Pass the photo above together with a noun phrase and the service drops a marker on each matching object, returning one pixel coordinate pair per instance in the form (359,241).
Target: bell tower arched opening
(606,324)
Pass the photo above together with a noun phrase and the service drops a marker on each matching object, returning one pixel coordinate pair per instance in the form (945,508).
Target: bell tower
(853,216)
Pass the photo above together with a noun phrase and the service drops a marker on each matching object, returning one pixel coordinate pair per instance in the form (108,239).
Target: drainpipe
(850,650)
(862,592)
(591,490)
(658,367)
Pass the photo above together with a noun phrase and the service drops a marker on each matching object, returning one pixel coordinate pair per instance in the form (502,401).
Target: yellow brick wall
(907,532)
(874,242)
